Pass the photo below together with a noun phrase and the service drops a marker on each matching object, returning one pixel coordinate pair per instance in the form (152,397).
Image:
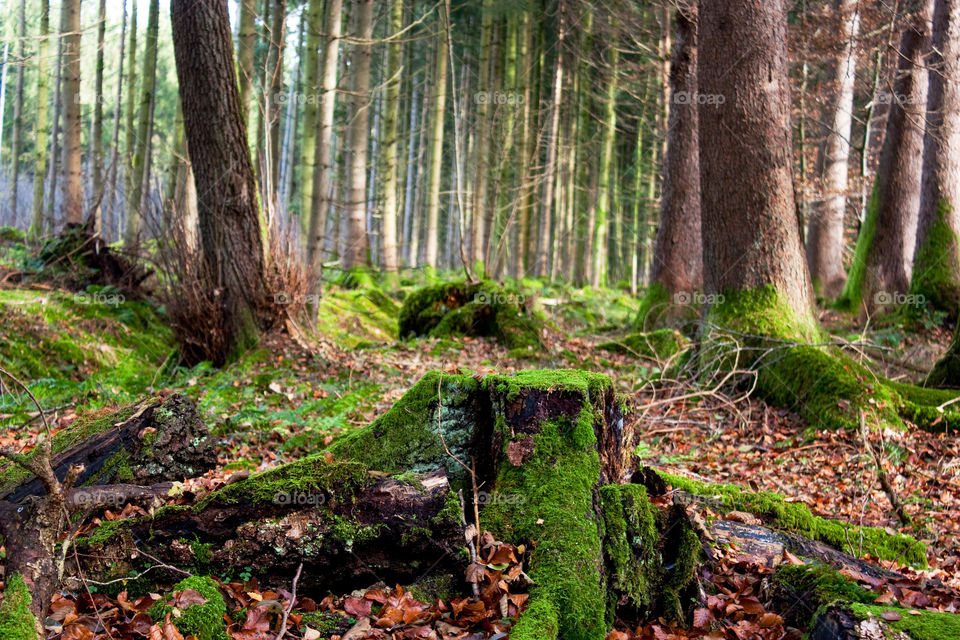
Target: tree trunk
(109,220)
(15,148)
(483,95)
(141,160)
(230,224)
(42,126)
(274,70)
(97,147)
(320,203)
(246,43)
(130,132)
(311,94)
(751,239)
(438,113)
(936,267)
(70,29)
(355,250)
(607,153)
(677,270)
(882,264)
(546,230)
(825,239)
(391,141)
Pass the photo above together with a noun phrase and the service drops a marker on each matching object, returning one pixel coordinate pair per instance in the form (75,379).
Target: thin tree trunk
(72,152)
(246,43)
(391,142)
(825,232)
(130,132)
(97,147)
(435,161)
(320,203)
(936,268)
(42,127)
(355,252)
(311,79)
(550,173)
(230,224)
(141,159)
(607,152)
(15,148)
(54,154)
(110,217)
(483,96)
(275,82)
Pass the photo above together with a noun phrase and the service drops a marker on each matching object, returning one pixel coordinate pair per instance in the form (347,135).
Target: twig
(293,598)
(46,425)
(471,545)
(882,474)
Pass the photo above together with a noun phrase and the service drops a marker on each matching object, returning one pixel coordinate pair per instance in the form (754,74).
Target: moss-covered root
(557,436)
(660,308)
(205,620)
(16,620)
(472,309)
(660,345)
(826,387)
(946,372)
(936,268)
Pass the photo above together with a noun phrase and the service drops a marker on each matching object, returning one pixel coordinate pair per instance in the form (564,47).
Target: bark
(274,70)
(42,127)
(607,153)
(435,153)
(70,29)
(16,145)
(751,239)
(246,43)
(130,132)
(311,79)
(54,154)
(677,259)
(546,231)
(230,224)
(97,148)
(882,265)
(324,153)
(825,239)
(936,267)
(391,151)
(109,219)
(481,146)
(355,252)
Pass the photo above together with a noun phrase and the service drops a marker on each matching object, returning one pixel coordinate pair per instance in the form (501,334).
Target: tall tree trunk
(54,154)
(15,148)
(130,132)
(677,268)
(483,95)
(311,79)
(320,203)
(882,264)
(435,162)
(141,159)
(97,147)
(246,43)
(391,141)
(274,100)
(607,153)
(42,127)
(825,231)
(751,239)
(110,217)
(230,224)
(936,267)
(524,76)
(72,153)
(355,251)
(550,172)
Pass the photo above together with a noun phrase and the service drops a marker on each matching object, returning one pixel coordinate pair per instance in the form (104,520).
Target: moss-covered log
(472,309)
(154,440)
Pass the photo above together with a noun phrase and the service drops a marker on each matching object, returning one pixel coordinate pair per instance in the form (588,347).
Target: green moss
(435,587)
(540,621)
(852,296)
(202,620)
(796,517)
(16,620)
(820,583)
(405,439)
(471,309)
(763,313)
(352,317)
(653,306)
(937,264)
(922,625)
(325,622)
(659,345)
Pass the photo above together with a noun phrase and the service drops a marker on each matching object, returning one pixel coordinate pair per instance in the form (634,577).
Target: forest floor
(89,352)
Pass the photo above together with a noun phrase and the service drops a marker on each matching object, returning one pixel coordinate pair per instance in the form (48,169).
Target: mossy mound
(659,345)
(796,517)
(16,620)
(357,317)
(471,309)
(205,621)
(659,308)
